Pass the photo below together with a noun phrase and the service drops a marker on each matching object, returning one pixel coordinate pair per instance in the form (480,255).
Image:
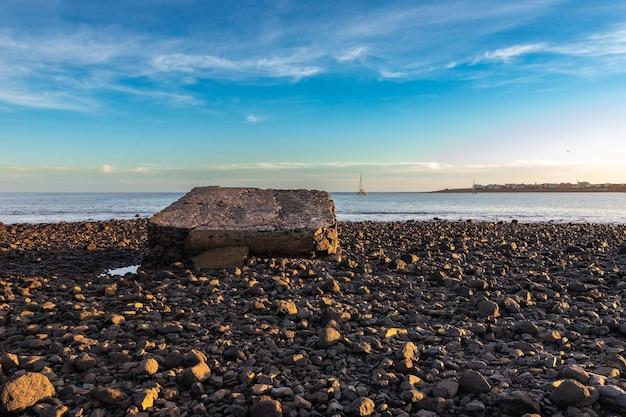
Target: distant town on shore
(564,187)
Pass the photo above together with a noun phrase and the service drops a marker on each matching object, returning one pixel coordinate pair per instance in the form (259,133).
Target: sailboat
(361,189)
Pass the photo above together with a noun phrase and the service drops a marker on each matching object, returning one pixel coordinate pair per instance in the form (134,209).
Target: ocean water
(525,207)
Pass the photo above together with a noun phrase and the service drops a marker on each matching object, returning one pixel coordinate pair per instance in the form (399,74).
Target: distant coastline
(579,187)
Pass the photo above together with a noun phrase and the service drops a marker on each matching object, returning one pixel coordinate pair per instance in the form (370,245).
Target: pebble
(266,407)
(108,395)
(197,373)
(614,396)
(434,319)
(473,381)
(362,407)
(149,366)
(328,336)
(489,309)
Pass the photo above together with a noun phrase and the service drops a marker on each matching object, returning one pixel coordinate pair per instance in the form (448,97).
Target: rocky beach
(411,319)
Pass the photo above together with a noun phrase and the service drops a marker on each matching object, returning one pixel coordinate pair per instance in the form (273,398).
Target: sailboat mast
(361,190)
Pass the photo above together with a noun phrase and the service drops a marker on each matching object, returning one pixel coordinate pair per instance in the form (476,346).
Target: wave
(73,213)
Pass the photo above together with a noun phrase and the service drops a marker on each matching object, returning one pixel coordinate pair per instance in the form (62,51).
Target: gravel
(411,319)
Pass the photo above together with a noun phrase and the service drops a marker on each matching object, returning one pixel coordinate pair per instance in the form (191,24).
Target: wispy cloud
(141,170)
(47,100)
(293,66)
(506,54)
(393,75)
(253,118)
(432,167)
(57,66)
(352,54)
(612,43)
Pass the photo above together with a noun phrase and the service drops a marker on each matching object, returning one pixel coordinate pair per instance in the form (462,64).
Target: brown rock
(197,373)
(191,358)
(408,351)
(146,398)
(488,308)
(84,361)
(287,308)
(328,337)
(518,404)
(569,392)
(9,361)
(576,372)
(362,406)
(149,366)
(25,391)
(108,395)
(266,407)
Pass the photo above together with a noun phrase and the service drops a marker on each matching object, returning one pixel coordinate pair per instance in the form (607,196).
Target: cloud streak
(352,54)
(598,45)
(60,67)
(293,67)
(407,166)
(333,175)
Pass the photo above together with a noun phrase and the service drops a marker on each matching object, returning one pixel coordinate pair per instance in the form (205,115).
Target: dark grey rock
(474,381)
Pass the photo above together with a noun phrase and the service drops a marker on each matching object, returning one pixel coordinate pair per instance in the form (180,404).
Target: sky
(164,95)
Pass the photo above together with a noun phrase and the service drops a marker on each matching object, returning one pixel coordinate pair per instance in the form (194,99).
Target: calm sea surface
(525,207)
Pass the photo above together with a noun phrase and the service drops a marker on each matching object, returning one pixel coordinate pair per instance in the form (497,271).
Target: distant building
(560,187)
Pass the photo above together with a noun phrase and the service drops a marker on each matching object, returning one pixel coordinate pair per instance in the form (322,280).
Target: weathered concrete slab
(217,227)
(221,257)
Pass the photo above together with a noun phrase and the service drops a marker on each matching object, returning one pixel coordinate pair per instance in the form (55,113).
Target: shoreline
(414,318)
(341,221)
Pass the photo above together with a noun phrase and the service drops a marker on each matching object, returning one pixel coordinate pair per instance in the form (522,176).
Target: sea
(523,207)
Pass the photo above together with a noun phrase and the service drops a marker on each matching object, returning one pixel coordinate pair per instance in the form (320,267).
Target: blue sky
(416,95)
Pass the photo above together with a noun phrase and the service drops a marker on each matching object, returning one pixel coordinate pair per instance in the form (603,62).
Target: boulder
(24,391)
(215,227)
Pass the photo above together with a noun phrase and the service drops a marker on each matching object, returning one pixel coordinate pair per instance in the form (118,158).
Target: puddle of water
(123,271)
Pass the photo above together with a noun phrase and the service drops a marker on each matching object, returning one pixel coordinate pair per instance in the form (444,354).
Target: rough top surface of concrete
(225,208)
